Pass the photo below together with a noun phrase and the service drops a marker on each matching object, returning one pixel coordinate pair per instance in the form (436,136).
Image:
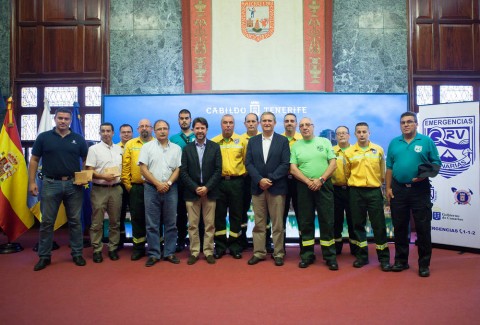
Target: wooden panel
(59,10)
(61,49)
(28,57)
(476,49)
(424,9)
(93,10)
(92,49)
(27,11)
(456,47)
(424,41)
(458,9)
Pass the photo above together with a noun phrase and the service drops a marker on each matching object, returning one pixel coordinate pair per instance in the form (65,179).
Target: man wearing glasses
(312,162)
(341,192)
(407,191)
(133,182)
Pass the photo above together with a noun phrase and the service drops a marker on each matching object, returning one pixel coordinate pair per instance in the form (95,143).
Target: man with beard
(105,159)
(133,182)
(200,172)
(184,137)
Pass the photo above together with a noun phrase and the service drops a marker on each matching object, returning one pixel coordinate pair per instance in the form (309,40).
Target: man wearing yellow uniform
(133,182)
(233,149)
(365,171)
(341,192)
(251,124)
(290,125)
(126,134)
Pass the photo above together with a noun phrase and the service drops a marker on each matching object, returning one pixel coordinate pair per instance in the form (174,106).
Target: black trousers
(414,200)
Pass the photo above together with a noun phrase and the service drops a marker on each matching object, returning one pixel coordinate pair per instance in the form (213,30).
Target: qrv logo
(454,138)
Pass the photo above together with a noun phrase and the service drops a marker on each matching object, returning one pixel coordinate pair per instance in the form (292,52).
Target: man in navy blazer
(268,162)
(200,172)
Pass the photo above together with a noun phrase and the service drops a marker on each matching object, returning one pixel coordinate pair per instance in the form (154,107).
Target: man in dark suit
(200,172)
(267,162)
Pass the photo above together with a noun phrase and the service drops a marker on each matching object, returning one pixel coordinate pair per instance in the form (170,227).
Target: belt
(409,185)
(60,178)
(343,187)
(229,178)
(136,183)
(106,185)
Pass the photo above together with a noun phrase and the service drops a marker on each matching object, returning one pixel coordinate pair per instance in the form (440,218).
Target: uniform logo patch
(258,21)
(418,149)
(455,141)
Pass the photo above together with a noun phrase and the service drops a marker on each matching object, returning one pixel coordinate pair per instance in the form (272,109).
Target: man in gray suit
(267,162)
(200,172)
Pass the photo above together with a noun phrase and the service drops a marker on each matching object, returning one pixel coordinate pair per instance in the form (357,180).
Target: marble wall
(369,46)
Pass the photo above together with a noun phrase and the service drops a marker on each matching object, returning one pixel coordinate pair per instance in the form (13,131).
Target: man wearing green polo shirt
(407,192)
(312,162)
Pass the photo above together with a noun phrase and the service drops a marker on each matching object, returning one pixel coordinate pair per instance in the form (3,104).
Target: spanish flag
(15,217)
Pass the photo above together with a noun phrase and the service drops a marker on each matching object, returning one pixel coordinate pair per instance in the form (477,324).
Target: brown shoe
(172,259)
(192,259)
(211,259)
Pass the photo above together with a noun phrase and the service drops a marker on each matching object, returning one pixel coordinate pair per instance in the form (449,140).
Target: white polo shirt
(160,161)
(101,156)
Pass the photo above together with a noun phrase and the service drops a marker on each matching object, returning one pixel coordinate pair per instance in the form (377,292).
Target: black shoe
(218,254)
(172,259)
(359,263)
(151,261)
(42,263)
(385,266)
(236,255)
(332,265)
(79,261)
(253,260)
(113,255)
(424,272)
(210,259)
(278,261)
(97,257)
(180,247)
(305,263)
(399,267)
(192,259)
(137,254)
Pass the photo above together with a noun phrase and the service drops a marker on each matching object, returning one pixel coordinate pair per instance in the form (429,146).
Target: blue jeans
(53,193)
(161,205)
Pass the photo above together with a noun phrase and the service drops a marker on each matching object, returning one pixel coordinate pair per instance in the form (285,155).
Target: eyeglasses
(307,125)
(341,133)
(407,122)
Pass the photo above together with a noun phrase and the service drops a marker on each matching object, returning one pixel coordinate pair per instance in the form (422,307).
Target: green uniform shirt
(312,156)
(403,158)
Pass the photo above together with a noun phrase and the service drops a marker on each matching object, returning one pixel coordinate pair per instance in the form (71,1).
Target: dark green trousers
(322,202)
(366,201)
(231,201)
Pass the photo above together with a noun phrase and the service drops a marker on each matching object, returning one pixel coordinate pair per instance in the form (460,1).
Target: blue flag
(86,214)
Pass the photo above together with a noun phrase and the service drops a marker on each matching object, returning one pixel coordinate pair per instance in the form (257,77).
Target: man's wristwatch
(169,183)
(322,180)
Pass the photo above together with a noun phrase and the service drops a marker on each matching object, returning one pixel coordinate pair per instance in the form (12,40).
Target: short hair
(409,114)
(200,120)
(63,110)
(227,115)
(342,126)
(107,124)
(268,113)
(158,121)
(184,111)
(125,126)
(361,124)
(295,116)
(256,116)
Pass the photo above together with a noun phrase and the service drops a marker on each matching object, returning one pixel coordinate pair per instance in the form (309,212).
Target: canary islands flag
(15,217)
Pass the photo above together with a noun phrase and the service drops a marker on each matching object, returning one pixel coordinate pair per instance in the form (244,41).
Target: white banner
(455,191)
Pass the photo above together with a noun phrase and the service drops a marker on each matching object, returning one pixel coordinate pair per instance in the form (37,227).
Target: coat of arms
(257,19)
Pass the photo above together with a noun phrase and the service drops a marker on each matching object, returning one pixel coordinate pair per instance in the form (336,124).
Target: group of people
(189,184)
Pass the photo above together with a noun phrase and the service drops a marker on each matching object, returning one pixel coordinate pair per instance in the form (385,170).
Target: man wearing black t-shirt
(60,150)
